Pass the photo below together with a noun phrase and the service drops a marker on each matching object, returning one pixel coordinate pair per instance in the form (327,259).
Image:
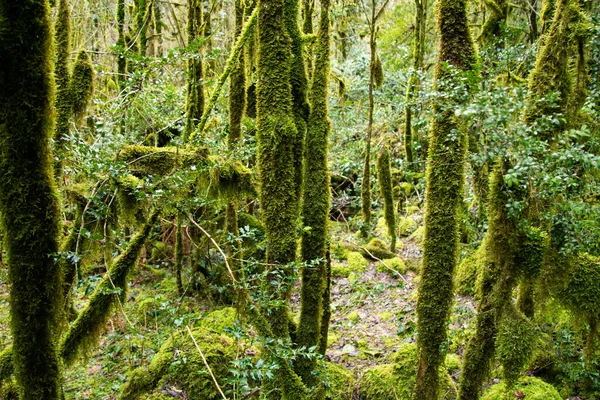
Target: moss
(82,84)
(220,319)
(29,206)
(495,285)
(515,344)
(111,290)
(195,86)
(376,248)
(378,72)
(532,389)
(385,184)
(467,271)
(396,264)
(495,21)
(69,261)
(338,251)
(316,202)
(396,381)
(6,363)
(231,180)
(418,236)
(299,86)
(121,61)
(386,316)
(144,160)
(353,317)
(178,362)
(452,363)
(129,193)
(356,264)
(237,84)
(406,226)
(179,254)
(339,382)
(582,293)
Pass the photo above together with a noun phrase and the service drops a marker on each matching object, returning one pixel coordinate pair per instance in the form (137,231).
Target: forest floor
(373,313)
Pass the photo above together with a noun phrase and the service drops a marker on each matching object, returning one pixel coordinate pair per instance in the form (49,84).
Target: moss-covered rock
(356,264)
(532,389)
(406,226)
(393,264)
(339,382)
(396,381)
(179,363)
(418,236)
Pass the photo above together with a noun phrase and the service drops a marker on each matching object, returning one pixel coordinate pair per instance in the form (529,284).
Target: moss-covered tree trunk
(384,175)
(299,82)
(121,43)
(28,198)
(195,86)
(316,202)
(444,196)
(277,136)
(63,105)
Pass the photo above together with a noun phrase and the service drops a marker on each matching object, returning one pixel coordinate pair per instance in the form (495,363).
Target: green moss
(121,61)
(82,84)
(338,251)
(339,382)
(220,319)
(452,363)
(178,362)
(195,86)
(582,293)
(84,332)
(467,271)
(161,161)
(29,206)
(406,226)
(64,101)
(6,364)
(356,264)
(396,381)
(129,193)
(418,236)
(395,264)
(386,316)
(532,389)
(237,84)
(316,201)
(515,343)
(230,180)
(353,317)
(385,184)
(378,72)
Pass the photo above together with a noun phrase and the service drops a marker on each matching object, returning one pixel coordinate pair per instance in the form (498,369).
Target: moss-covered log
(384,175)
(161,161)
(84,332)
(29,206)
(195,86)
(445,181)
(316,203)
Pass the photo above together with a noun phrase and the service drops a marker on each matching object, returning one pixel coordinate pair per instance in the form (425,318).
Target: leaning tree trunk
(28,198)
(445,181)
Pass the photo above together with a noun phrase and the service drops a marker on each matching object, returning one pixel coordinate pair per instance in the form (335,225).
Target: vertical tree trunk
(121,62)
(28,198)
(64,104)
(195,89)
(315,204)
(445,181)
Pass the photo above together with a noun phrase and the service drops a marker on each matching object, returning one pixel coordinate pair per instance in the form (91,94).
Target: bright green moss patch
(452,363)
(218,320)
(466,273)
(532,388)
(582,293)
(179,363)
(353,317)
(339,382)
(396,381)
(229,180)
(406,226)
(392,264)
(418,236)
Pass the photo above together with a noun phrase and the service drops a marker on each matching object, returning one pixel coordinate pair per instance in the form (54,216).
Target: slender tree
(316,201)
(64,102)
(384,176)
(28,197)
(195,88)
(445,181)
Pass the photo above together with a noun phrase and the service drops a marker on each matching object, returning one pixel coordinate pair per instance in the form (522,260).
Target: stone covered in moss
(406,226)
(532,389)
(396,381)
(356,264)
(393,264)
(339,382)
(178,362)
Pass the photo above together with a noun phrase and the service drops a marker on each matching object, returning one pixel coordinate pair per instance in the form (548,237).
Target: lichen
(531,388)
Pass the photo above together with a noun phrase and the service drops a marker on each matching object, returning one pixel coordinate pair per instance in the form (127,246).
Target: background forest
(299,199)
